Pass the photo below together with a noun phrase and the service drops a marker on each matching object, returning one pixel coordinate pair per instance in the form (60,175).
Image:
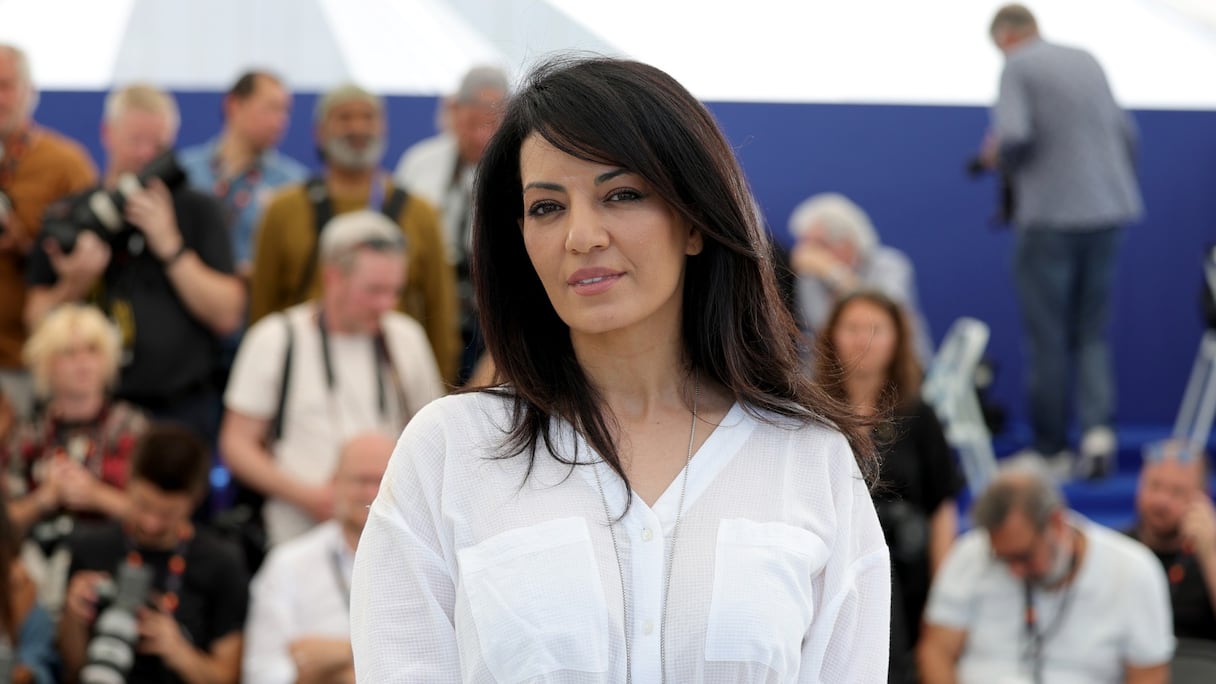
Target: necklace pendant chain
(671,551)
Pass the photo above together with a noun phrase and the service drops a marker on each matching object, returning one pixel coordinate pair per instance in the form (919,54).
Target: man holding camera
(184,590)
(163,272)
(37,167)
(1068,150)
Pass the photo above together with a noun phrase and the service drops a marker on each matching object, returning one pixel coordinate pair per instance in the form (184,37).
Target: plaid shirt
(103,445)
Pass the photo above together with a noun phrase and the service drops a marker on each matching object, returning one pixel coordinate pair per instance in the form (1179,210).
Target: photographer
(189,622)
(164,274)
(1068,150)
(37,167)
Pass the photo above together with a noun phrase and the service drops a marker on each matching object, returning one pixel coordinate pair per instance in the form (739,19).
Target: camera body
(111,650)
(101,211)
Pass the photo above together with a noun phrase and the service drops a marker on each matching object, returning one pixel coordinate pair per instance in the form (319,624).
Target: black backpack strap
(395,203)
(276,423)
(322,212)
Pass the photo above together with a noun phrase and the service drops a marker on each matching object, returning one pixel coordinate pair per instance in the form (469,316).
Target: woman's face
(609,251)
(865,338)
(78,369)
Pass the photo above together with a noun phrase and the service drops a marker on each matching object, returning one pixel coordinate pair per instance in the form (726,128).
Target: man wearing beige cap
(310,378)
(350,134)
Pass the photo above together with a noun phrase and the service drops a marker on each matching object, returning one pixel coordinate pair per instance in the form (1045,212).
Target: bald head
(361,466)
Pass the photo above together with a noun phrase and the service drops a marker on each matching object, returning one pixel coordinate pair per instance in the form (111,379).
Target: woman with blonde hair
(71,460)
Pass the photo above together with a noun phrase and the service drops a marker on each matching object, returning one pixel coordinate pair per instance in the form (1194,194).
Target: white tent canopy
(1159,53)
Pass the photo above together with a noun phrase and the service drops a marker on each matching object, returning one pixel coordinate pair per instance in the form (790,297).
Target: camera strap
(384,361)
(323,211)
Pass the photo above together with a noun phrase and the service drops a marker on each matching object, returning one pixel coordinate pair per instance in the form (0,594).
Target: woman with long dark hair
(655,491)
(867,358)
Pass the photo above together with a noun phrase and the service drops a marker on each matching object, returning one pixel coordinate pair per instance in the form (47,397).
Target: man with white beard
(351,130)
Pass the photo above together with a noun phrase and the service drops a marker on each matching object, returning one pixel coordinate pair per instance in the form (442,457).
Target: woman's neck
(77,408)
(864,391)
(635,375)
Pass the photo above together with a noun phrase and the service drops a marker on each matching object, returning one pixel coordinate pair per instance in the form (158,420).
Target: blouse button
(647,535)
(648,627)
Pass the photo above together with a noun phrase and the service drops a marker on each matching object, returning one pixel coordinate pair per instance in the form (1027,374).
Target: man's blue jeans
(1064,280)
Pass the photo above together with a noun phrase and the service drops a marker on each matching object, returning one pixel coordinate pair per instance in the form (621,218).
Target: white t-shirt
(467,572)
(317,421)
(1118,613)
(300,591)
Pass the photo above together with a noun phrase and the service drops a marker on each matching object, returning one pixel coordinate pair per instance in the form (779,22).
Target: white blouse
(469,572)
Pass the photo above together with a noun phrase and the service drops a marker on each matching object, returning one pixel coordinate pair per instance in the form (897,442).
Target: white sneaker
(1098,447)
(1099,441)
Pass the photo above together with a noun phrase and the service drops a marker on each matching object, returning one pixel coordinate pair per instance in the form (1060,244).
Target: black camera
(101,211)
(111,651)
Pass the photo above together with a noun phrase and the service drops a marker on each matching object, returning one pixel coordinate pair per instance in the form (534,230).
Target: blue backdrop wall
(904,164)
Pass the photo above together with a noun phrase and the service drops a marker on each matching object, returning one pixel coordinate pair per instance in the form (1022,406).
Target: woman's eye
(543,207)
(624,195)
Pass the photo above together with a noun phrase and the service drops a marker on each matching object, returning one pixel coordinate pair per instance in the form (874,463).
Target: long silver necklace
(671,550)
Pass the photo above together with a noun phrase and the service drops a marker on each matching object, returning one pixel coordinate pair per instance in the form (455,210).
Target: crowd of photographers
(215,302)
(225,302)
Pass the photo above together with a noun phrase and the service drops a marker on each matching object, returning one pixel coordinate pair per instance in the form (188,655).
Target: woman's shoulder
(463,416)
(807,434)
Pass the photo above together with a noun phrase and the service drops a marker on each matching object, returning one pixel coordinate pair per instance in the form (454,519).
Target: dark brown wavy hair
(903,375)
(736,329)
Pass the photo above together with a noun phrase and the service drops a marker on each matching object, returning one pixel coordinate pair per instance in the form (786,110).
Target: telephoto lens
(111,650)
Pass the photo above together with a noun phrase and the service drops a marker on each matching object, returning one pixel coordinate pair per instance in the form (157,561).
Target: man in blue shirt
(240,166)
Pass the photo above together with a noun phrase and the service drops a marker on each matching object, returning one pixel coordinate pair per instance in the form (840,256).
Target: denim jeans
(1064,280)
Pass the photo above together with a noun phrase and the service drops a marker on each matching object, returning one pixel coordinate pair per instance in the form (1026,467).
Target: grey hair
(145,98)
(481,78)
(22,60)
(345,234)
(840,218)
(1015,17)
(348,92)
(24,73)
(1028,490)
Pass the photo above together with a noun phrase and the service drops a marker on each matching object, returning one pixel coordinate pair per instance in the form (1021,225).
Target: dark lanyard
(383,360)
(339,576)
(171,598)
(1036,639)
(236,190)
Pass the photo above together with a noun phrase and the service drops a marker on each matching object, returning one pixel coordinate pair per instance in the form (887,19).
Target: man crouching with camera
(154,255)
(151,598)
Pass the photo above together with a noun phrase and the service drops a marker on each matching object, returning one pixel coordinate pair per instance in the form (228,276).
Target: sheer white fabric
(467,572)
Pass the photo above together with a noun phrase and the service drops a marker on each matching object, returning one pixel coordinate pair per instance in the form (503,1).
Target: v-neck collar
(709,459)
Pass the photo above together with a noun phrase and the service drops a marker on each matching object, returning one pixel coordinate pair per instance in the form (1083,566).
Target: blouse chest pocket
(537,601)
(763,597)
